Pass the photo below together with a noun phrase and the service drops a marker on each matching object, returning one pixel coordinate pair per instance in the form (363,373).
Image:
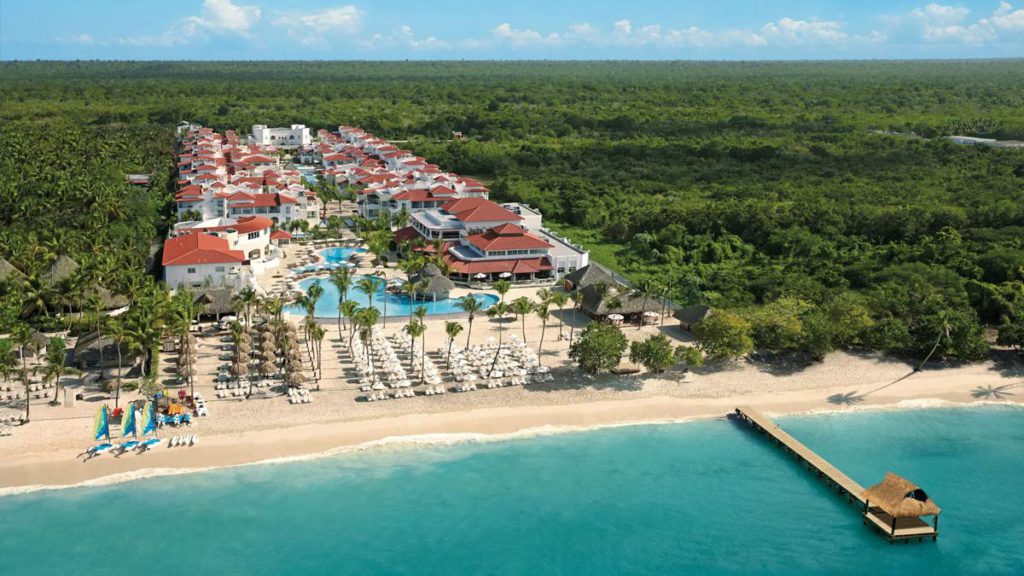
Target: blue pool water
(336,255)
(397,304)
(698,498)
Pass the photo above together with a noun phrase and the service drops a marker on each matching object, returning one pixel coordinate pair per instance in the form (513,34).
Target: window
(219,269)
(254,235)
(191,270)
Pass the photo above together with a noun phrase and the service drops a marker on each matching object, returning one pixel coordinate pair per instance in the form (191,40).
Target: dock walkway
(841,482)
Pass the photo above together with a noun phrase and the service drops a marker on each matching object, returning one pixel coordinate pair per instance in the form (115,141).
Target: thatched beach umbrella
(239,369)
(294,355)
(267,337)
(243,348)
(244,337)
(267,369)
(268,346)
(268,356)
(295,378)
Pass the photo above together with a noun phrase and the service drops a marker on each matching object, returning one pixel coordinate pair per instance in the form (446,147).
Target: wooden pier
(841,482)
(893,528)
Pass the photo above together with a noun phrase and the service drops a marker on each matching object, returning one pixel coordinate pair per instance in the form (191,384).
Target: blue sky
(523,29)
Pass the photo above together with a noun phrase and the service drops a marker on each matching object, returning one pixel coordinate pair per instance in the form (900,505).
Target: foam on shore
(453,439)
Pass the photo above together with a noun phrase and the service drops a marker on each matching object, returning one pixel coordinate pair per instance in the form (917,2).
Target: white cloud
(314,27)
(801,32)
(79,39)
(217,17)
(1005,18)
(404,38)
(950,24)
(524,38)
(222,16)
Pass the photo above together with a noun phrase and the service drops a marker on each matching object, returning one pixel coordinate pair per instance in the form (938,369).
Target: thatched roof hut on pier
(895,506)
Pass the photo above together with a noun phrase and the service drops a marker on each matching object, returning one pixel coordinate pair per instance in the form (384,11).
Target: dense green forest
(817,200)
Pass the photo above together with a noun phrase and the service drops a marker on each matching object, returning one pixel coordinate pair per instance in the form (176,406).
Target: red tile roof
(506,237)
(199,248)
(479,210)
(280,235)
(406,234)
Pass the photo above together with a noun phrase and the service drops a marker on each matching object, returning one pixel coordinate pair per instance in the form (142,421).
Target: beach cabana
(895,506)
(431,284)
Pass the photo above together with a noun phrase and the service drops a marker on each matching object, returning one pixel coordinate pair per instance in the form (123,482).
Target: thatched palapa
(900,498)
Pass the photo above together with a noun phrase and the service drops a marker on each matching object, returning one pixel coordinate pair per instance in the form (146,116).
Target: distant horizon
(520,60)
(569,30)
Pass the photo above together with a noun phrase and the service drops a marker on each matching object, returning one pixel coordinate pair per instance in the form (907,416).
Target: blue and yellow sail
(128,422)
(100,425)
(148,418)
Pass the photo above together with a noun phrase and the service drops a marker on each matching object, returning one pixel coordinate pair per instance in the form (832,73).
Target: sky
(509,30)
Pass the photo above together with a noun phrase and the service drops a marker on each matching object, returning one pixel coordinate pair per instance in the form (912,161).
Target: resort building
(481,239)
(198,259)
(221,252)
(294,136)
(221,178)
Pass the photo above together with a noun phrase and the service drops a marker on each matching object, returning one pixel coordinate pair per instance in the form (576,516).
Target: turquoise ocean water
(695,498)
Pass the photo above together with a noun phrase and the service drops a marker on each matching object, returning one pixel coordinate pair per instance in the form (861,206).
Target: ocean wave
(458,438)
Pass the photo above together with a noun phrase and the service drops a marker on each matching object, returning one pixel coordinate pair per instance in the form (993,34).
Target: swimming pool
(331,258)
(397,304)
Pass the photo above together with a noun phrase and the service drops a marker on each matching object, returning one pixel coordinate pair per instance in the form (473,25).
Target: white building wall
(233,275)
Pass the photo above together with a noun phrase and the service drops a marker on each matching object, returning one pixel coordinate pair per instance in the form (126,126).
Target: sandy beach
(45,453)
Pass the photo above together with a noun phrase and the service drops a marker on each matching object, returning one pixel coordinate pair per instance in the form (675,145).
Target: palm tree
(542,310)
(421,313)
(470,305)
(643,289)
(369,285)
(521,307)
(502,287)
(559,299)
(452,329)
(577,297)
(347,308)
(342,280)
(119,334)
(498,311)
(660,291)
(22,336)
(944,331)
(247,298)
(317,332)
(414,329)
(56,358)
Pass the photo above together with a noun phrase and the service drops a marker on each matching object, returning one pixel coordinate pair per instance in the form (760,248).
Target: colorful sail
(100,426)
(128,422)
(148,418)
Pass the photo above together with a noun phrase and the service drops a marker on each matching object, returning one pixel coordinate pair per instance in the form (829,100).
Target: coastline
(58,469)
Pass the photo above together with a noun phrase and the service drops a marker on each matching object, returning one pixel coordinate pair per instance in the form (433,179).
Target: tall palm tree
(421,314)
(56,359)
(559,299)
(521,307)
(119,334)
(642,289)
(369,285)
(944,329)
(247,297)
(22,336)
(342,280)
(452,329)
(414,329)
(498,311)
(347,308)
(542,311)
(577,297)
(502,287)
(317,332)
(470,305)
